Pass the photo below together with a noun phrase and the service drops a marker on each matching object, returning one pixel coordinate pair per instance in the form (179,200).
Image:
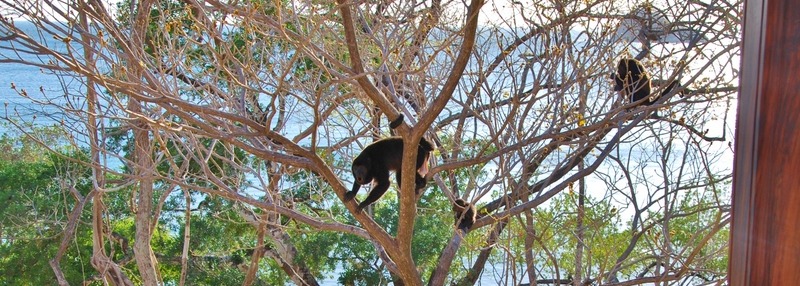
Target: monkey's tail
(396,123)
(671,86)
(426,145)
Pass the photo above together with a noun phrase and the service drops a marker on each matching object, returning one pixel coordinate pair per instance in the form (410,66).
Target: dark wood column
(765,234)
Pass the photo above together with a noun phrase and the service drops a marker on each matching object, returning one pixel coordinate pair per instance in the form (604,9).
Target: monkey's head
(361,174)
(459,206)
(618,83)
(621,75)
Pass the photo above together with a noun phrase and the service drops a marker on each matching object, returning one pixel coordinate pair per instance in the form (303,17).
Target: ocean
(37,92)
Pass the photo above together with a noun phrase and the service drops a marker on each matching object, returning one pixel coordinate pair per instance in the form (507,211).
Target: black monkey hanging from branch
(380,157)
(465,214)
(633,82)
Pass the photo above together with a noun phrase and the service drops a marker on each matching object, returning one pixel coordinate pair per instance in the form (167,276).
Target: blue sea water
(28,93)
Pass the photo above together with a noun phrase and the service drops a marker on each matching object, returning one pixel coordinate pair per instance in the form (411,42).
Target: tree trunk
(297,270)
(483,257)
(578,278)
(186,238)
(258,252)
(145,259)
(530,232)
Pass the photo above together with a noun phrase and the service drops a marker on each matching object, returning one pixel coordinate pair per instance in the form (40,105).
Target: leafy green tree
(38,192)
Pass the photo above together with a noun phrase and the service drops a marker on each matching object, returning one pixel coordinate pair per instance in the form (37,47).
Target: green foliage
(697,212)
(554,226)
(313,249)
(433,227)
(34,205)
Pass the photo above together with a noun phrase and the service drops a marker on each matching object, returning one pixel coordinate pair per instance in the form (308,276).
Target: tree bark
(145,259)
(142,149)
(258,252)
(530,232)
(483,257)
(186,237)
(446,258)
(578,278)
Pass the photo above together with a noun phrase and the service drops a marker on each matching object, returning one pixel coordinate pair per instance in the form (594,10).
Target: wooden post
(765,233)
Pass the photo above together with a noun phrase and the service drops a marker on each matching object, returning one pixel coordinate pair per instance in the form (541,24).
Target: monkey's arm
(466,222)
(457,213)
(352,193)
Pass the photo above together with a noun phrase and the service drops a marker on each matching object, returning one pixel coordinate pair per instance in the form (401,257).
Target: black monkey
(380,157)
(633,81)
(464,214)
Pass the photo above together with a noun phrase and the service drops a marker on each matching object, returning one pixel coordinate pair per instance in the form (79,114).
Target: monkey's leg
(376,192)
(397,177)
(420,182)
(422,169)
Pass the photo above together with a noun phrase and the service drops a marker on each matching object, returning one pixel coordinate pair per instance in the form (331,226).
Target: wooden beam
(765,237)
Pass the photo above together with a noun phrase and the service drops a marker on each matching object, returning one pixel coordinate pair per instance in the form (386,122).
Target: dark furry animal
(464,214)
(380,157)
(633,81)
(396,123)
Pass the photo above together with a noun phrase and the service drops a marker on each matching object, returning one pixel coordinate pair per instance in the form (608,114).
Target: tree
(34,208)
(258,107)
